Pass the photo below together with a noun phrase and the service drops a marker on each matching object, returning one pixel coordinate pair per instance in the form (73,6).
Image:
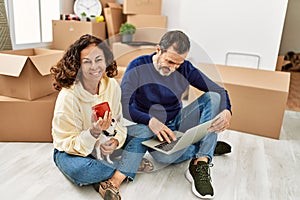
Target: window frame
(11,24)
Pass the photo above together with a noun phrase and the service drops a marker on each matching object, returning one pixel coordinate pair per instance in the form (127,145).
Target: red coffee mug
(101,108)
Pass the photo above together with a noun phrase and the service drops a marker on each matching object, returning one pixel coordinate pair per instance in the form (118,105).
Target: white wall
(241,26)
(291,32)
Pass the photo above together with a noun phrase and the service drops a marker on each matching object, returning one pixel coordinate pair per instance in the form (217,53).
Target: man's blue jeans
(88,170)
(203,109)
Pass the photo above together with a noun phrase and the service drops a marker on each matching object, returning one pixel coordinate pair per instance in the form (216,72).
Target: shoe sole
(227,148)
(110,195)
(191,180)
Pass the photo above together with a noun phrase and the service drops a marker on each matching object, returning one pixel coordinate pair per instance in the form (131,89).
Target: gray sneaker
(199,176)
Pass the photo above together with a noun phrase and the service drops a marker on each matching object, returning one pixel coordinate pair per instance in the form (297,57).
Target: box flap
(12,65)
(43,63)
(114,18)
(20,52)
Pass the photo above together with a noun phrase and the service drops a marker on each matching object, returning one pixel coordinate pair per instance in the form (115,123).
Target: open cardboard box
(66,32)
(114,18)
(258,97)
(26,121)
(25,73)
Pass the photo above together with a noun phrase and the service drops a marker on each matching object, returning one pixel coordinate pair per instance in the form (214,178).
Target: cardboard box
(149,34)
(142,21)
(258,97)
(25,73)
(124,53)
(148,7)
(114,18)
(281,62)
(67,32)
(26,121)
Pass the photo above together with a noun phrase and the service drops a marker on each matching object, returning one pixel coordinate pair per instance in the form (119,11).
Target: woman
(83,77)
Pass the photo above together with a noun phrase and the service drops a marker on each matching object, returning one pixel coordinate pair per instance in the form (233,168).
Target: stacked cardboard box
(26,95)
(114,17)
(25,120)
(66,32)
(124,53)
(150,26)
(142,14)
(148,7)
(145,14)
(258,97)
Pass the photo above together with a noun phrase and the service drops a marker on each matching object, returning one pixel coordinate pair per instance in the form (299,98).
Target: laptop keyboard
(165,146)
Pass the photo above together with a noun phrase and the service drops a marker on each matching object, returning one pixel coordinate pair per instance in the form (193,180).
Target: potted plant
(83,16)
(127,30)
(93,18)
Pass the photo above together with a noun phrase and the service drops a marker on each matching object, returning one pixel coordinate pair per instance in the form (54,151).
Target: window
(31,21)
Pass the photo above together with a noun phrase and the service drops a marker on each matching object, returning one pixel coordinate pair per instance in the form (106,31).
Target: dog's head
(111,131)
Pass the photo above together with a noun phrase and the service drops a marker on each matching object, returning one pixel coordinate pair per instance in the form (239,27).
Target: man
(152,87)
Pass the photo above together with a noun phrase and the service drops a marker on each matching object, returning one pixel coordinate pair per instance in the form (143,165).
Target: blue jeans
(88,170)
(204,108)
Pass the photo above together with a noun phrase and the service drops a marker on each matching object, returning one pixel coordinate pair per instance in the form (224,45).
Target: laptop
(184,140)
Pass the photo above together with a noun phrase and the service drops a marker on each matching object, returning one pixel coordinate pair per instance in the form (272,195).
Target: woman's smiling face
(93,63)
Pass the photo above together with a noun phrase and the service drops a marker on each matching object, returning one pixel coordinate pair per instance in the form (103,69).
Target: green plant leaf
(127,28)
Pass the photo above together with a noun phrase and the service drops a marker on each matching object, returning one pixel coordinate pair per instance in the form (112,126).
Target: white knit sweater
(73,112)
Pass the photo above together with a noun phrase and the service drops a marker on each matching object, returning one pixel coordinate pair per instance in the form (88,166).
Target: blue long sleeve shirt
(146,93)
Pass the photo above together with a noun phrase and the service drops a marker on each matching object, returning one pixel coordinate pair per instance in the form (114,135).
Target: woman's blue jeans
(88,170)
(203,109)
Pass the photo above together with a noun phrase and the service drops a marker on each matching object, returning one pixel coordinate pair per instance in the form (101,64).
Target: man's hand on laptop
(220,122)
(161,130)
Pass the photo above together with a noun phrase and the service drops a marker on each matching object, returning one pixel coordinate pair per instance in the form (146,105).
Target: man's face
(168,61)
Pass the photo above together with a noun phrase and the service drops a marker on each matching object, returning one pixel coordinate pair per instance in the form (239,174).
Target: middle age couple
(150,96)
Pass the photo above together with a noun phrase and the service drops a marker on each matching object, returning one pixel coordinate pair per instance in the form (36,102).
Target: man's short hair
(177,39)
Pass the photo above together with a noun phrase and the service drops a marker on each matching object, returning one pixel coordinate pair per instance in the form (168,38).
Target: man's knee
(213,97)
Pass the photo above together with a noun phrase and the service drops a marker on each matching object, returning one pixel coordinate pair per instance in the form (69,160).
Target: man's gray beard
(160,70)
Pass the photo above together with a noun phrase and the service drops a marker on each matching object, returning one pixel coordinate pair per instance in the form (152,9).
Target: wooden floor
(258,169)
